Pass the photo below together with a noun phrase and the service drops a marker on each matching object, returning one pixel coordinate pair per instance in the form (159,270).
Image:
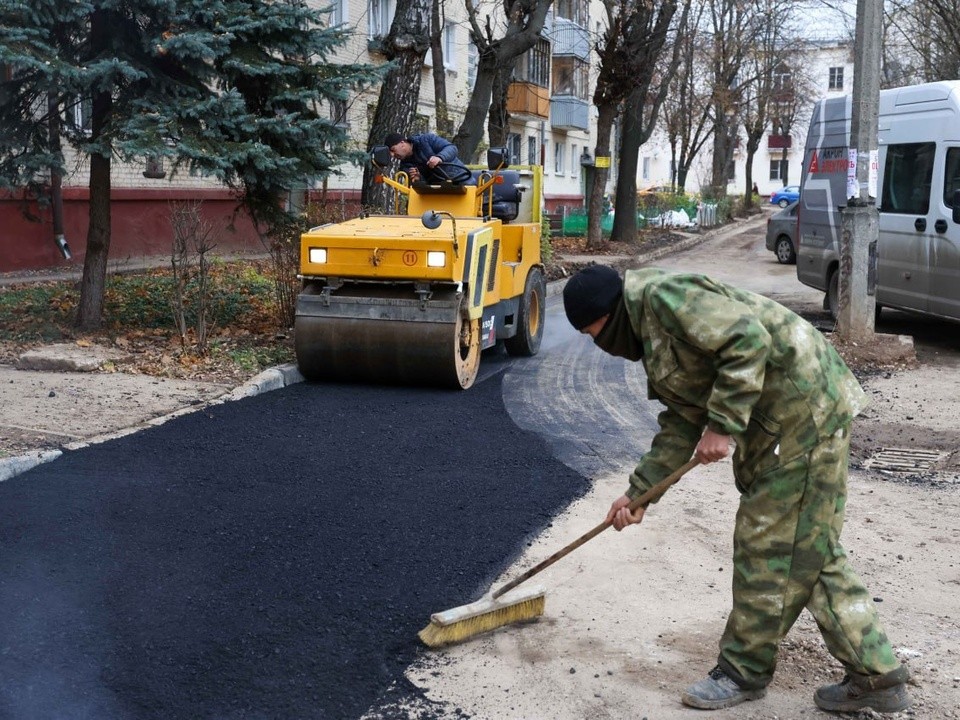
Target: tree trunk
(471,129)
(406,46)
(748,180)
(631,138)
(595,239)
(444,125)
(93,282)
(498,120)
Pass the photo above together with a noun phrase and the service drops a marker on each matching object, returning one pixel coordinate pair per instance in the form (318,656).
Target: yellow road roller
(415,296)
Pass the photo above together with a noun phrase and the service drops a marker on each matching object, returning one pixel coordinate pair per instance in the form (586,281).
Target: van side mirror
(956,206)
(380,157)
(497,158)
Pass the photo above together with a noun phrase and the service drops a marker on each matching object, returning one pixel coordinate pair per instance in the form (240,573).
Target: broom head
(460,623)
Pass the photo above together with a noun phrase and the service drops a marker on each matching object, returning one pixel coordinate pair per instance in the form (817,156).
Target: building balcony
(528,100)
(779,142)
(569,113)
(567,39)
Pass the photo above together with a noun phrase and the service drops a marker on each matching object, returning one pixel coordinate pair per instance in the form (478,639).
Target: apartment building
(552,119)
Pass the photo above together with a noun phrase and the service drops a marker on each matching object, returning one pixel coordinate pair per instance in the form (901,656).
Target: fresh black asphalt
(269,558)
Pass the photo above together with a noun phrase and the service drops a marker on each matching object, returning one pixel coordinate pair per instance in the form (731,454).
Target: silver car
(782,234)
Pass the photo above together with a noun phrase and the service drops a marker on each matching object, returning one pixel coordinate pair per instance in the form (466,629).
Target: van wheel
(831,301)
(784,251)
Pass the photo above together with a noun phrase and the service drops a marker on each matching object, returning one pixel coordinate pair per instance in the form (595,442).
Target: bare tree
(437,22)
(633,64)
(767,81)
(731,24)
(497,57)
(687,110)
(405,46)
(929,30)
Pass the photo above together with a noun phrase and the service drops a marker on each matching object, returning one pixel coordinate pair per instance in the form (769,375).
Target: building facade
(552,123)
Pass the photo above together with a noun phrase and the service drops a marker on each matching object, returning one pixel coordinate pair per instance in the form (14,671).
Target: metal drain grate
(904,460)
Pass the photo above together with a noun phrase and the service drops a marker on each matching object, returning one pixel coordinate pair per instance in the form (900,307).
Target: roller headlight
(436,258)
(317,256)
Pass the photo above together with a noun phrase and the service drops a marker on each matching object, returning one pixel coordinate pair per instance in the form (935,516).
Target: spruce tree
(232,89)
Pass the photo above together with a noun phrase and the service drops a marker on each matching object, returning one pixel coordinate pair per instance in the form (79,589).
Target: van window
(951,176)
(907,176)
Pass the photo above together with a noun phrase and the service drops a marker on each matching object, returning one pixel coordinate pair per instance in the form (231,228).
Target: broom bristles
(464,622)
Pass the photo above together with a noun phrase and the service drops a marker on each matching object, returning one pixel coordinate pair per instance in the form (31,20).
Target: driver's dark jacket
(425,146)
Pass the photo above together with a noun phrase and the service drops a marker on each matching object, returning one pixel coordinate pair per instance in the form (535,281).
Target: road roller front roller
(415,296)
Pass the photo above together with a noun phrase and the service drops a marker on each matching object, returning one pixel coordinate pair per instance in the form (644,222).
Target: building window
(836,78)
(574,161)
(421,124)
(575,10)
(79,115)
(513,148)
(646,167)
(558,166)
(533,150)
(571,76)
(338,13)
(473,59)
(776,170)
(534,66)
(338,113)
(447,48)
(379,17)
(449,45)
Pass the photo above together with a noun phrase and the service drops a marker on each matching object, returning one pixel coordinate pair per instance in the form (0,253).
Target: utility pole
(860,218)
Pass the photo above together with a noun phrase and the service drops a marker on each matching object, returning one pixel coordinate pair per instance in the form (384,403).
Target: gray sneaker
(718,691)
(883,693)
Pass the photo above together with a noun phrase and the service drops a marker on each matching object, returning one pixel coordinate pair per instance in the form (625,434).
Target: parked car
(785,195)
(782,234)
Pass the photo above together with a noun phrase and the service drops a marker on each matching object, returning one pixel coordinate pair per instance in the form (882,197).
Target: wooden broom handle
(642,501)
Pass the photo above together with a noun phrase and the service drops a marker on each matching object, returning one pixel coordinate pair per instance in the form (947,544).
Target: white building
(777,162)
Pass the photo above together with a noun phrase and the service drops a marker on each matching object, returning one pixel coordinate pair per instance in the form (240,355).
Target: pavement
(61,393)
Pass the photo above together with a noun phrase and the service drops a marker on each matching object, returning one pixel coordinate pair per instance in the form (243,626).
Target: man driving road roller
(428,157)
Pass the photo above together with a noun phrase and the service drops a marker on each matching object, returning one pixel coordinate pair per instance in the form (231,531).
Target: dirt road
(632,618)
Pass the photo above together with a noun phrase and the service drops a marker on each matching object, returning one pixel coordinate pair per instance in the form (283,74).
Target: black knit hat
(392,139)
(590,294)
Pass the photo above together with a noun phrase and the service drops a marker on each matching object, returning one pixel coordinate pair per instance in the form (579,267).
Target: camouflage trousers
(787,556)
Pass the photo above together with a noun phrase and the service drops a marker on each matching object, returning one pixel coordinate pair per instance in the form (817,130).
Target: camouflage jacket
(738,363)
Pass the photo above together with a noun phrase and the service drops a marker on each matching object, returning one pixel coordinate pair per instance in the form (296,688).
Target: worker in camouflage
(728,364)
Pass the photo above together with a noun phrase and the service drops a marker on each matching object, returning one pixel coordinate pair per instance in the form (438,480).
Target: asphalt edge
(274,378)
(282,376)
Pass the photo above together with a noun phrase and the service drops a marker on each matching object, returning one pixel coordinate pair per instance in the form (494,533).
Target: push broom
(503,607)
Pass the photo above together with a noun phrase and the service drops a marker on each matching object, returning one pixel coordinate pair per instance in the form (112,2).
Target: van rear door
(823,191)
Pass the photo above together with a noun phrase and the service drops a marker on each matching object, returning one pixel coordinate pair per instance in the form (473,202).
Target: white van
(918,250)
